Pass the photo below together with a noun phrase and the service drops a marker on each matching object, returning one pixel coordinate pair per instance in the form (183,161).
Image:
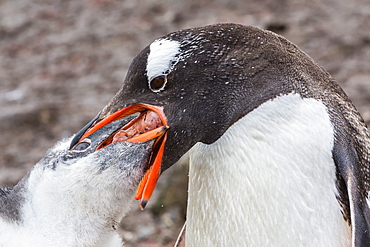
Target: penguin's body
(74,196)
(278,154)
(269,166)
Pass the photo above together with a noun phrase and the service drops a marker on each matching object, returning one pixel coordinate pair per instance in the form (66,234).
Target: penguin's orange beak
(151,123)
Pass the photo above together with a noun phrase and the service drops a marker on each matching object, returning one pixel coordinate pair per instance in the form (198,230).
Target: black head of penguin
(215,75)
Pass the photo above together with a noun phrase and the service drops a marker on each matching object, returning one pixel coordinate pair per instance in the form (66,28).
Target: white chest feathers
(268,181)
(75,204)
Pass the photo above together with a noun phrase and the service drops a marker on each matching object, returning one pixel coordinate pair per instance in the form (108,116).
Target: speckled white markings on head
(162,57)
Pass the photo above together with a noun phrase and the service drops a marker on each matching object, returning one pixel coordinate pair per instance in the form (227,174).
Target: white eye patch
(162,57)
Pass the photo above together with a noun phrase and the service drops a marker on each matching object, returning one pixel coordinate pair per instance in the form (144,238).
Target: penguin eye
(81,146)
(157,83)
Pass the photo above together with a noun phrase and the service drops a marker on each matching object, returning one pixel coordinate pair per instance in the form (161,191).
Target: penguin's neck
(57,212)
(268,181)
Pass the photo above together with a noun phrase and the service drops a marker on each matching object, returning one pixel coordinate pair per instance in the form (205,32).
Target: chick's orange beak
(150,124)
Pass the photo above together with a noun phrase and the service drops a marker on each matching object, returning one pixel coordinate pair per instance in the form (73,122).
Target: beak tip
(143,204)
(79,135)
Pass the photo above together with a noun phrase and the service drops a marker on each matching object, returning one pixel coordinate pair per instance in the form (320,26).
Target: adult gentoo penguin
(278,154)
(76,196)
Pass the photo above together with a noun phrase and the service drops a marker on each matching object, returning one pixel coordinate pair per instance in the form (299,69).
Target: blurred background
(62,60)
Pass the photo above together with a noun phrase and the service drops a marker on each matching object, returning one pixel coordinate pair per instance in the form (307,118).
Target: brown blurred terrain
(61,61)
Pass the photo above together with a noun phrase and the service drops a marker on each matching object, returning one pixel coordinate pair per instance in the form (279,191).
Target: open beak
(150,124)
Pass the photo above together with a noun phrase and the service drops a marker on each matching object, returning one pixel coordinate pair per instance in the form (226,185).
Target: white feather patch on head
(162,57)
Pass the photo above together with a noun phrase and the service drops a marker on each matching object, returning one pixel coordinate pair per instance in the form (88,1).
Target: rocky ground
(61,61)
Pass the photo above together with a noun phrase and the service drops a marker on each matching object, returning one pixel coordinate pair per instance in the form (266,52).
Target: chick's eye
(81,146)
(157,84)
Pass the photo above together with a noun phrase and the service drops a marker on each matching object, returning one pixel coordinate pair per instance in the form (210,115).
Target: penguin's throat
(145,127)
